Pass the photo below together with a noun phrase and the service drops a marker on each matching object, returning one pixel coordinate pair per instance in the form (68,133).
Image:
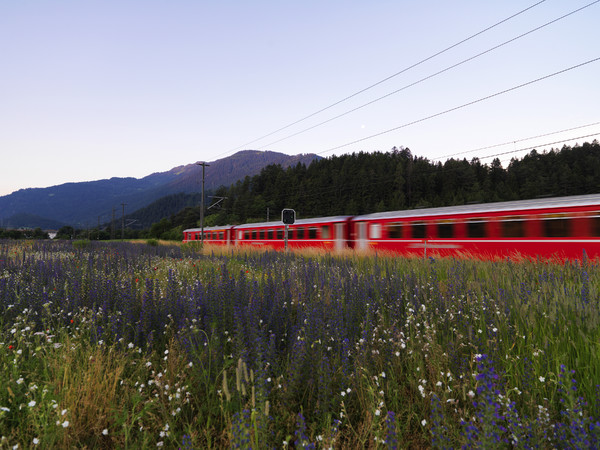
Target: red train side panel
(564,227)
(330,233)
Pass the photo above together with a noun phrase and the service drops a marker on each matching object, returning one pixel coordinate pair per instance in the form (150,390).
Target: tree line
(362,183)
(36,233)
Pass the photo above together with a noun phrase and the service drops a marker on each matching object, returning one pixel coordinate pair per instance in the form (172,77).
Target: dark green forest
(362,183)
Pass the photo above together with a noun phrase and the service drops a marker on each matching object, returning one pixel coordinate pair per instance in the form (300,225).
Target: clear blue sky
(97,89)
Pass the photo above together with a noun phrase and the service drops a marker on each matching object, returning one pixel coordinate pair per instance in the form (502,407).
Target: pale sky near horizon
(115,88)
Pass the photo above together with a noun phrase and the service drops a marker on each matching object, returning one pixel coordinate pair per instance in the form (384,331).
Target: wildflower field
(129,345)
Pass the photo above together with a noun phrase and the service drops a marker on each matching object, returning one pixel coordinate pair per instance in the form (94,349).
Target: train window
(512,228)
(300,233)
(394,230)
(375,231)
(418,230)
(312,233)
(246,235)
(476,228)
(261,234)
(445,230)
(280,234)
(556,227)
(253,233)
(290,233)
(325,234)
(595,225)
(270,234)
(220,235)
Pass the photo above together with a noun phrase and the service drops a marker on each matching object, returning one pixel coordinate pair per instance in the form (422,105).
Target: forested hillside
(164,207)
(370,182)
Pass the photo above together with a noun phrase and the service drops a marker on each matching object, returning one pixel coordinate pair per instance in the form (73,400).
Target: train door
(361,241)
(340,236)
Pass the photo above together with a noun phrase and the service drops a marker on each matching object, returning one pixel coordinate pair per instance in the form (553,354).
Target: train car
(222,235)
(561,227)
(330,233)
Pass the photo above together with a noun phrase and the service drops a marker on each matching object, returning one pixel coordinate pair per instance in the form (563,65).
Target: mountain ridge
(83,204)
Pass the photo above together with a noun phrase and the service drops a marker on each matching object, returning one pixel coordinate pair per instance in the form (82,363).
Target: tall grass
(126,345)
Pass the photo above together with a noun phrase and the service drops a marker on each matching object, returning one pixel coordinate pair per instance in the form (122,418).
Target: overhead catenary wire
(412,66)
(453,66)
(514,142)
(464,105)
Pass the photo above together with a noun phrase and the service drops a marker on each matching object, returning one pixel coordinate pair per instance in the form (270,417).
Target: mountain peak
(83,204)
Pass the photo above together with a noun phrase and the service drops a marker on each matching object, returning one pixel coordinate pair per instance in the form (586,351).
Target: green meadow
(131,345)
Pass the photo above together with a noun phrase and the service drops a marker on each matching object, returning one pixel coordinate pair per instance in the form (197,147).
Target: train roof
(298,222)
(482,208)
(221,228)
(272,224)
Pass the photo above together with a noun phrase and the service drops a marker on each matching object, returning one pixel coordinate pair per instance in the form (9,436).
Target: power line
(423,119)
(387,78)
(453,66)
(537,146)
(515,141)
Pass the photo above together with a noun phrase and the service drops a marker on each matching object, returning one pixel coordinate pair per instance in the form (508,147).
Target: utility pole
(203,164)
(123,222)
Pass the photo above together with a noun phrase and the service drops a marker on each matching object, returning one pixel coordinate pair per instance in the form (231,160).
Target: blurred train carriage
(330,233)
(222,235)
(561,227)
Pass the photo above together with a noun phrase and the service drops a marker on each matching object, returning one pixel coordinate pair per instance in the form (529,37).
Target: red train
(561,227)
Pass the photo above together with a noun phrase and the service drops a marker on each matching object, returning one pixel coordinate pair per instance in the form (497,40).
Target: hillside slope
(84,204)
